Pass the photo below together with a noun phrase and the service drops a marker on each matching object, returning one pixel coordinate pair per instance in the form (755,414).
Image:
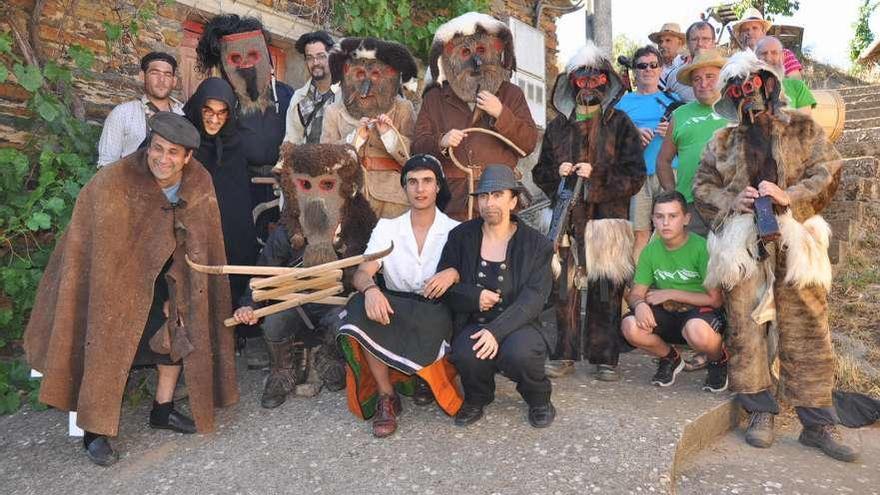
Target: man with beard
(770,50)
(372,115)
(126,126)
(762,183)
(601,146)
(751,28)
(503,284)
(699,36)
(117,292)
(670,41)
(472,58)
(305,116)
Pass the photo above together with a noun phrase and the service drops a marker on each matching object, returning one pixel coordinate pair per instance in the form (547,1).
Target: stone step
(869,99)
(861,123)
(866,112)
(843,230)
(838,250)
(859,142)
(845,209)
(867,167)
(858,90)
(859,189)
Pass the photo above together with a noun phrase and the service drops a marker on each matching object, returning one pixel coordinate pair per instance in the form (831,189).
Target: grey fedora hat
(497,178)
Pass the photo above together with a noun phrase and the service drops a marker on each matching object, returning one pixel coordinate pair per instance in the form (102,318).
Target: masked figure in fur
(590,139)
(762,183)
(373,116)
(325,217)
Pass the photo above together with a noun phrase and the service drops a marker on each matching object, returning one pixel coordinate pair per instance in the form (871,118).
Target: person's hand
(489,103)
(245,315)
(644,316)
(486,346)
(364,127)
(437,285)
(780,197)
(746,199)
(657,296)
(661,129)
(583,169)
(377,306)
(488,299)
(452,138)
(383,123)
(565,169)
(646,136)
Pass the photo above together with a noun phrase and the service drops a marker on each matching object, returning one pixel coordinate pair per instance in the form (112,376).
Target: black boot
(164,417)
(423,395)
(542,416)
(282,377)
(99,450)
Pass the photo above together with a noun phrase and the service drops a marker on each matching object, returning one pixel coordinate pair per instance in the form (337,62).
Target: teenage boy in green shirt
(668,302)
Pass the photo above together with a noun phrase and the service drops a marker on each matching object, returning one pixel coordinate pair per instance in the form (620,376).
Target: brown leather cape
(92,303)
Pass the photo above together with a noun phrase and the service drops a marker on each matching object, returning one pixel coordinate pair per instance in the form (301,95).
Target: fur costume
(790,286)
(610,142)
(322,186)
(96,292)
(473,51)
(371,73)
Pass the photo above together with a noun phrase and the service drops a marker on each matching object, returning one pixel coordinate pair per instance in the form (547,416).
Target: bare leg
(643,339)
(702,338)
(380,374)
(167,382)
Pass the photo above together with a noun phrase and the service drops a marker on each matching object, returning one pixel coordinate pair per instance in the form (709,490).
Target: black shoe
(423,395)
(542,416)
(667,368)
(175,422)
(827,439)
(101,452)
(468,414)
(716,376)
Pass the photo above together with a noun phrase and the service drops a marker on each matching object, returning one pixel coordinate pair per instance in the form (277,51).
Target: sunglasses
(748,87)
(643,65)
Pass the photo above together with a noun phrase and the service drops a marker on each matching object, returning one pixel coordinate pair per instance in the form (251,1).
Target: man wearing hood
(762,183)
(590,141)
(471,59)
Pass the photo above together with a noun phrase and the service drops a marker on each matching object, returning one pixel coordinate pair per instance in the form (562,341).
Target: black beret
(175,128)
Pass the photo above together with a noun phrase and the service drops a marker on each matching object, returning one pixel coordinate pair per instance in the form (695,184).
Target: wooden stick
(293,302)
(279,280)
(299,286)
(240,269)
(334,300)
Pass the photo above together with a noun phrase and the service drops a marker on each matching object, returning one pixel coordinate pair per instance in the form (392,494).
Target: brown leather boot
(385,420)
(282,376)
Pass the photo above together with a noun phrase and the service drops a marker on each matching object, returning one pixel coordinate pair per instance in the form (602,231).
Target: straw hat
(751,15)
(670,28)
(706,58)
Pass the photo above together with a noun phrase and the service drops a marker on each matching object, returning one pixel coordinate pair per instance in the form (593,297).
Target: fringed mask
(369,87)
(589,85)
(248,68)
(474,63)
(753,95)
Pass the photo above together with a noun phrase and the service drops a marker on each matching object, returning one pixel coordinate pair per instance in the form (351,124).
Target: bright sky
(827,25)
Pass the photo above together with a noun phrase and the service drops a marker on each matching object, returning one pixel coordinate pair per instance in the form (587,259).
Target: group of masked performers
(468,299)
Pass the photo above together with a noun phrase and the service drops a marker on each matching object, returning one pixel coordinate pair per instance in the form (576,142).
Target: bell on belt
(765,219)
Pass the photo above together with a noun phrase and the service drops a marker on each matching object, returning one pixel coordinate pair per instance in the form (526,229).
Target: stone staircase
(858,197)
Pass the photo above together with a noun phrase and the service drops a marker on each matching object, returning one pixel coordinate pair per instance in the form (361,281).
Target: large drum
(830,112)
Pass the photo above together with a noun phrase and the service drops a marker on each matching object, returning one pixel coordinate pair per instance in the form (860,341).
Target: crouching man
(668,302)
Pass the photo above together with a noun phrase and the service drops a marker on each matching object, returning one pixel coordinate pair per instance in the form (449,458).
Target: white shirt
(125,129)
(406,270)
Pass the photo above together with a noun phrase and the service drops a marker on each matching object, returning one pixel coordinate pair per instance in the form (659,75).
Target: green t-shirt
(681,269)
(695,124)
(799,95)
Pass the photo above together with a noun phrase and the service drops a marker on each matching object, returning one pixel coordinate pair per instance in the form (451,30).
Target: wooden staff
(293,302)
(470,170)
(279,280)
(240,269)
(322,282)
(334,300)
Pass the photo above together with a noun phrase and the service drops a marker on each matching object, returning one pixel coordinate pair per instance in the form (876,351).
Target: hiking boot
(607,373)
(559,368)
(330,367)
(716,376)
(385,421)
(542,416)
(468,414)
(827,438)
(667,369)
(760,430)
(282,377)
(423,395)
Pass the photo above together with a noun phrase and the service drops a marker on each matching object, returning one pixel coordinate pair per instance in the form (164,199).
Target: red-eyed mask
(590,85)
(247,67)
(474,63)
(369,87)
(752,95)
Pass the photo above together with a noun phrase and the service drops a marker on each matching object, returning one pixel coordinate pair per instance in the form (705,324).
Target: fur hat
(741,64)
(466,25)
(588,56)
(394,54)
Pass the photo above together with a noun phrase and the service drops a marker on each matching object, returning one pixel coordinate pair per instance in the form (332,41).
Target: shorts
(670,324)
(642,203)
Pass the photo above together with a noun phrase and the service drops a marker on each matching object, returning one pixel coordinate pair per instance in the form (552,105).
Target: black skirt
(418,335)
(146,356)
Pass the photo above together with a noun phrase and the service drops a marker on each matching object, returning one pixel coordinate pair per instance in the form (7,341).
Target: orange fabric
(381,163)
(441,378)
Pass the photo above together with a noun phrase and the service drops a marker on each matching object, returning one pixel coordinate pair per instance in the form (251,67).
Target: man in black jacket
(504,281)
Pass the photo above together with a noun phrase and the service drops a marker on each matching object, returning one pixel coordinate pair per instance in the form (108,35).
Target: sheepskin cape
(92,303)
